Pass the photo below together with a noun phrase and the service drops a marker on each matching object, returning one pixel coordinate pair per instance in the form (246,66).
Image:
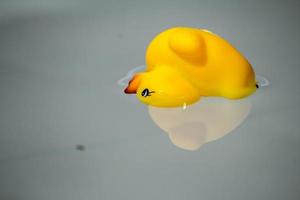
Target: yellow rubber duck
(184,64)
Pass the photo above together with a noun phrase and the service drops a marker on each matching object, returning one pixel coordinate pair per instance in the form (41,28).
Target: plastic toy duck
(184,64)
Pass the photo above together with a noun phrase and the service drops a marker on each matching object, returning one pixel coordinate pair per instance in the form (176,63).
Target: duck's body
(196,61)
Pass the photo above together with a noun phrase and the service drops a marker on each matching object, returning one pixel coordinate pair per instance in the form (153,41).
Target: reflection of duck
(184,64)
(200,123)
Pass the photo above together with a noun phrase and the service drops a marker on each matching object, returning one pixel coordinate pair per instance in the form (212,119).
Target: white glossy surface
(205,121)
(59,67)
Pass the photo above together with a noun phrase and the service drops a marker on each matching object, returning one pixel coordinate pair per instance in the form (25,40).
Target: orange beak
(133,84)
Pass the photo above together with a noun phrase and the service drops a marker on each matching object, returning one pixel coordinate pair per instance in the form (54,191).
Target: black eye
(145,92)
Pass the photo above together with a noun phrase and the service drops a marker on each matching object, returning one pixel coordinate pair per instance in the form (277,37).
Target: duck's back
(207,60)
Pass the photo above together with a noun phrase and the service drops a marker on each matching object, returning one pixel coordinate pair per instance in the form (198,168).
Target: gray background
(59,64)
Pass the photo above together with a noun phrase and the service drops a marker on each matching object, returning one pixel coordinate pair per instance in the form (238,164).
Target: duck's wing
(189,44)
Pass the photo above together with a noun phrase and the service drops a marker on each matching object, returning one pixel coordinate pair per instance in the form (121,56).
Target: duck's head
(162,87)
